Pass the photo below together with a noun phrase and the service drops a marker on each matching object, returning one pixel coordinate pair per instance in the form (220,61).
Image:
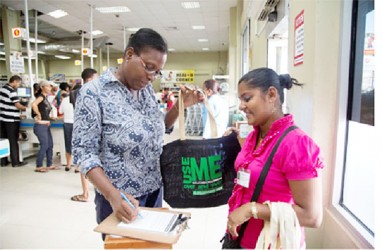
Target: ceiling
(168,17)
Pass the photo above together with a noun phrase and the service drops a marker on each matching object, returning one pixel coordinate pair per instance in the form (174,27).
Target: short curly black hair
(146,38)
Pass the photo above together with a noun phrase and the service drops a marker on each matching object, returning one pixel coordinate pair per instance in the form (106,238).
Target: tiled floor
(36,212)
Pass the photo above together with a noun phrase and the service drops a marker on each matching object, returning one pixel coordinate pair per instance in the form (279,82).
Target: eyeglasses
(151,71)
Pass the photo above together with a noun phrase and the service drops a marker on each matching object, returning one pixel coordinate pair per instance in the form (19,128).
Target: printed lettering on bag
(203,178)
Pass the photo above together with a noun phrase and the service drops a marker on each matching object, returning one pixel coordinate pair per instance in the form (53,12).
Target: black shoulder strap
(267,166)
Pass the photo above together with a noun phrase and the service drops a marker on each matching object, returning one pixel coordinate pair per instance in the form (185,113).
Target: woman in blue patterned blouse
(118,129)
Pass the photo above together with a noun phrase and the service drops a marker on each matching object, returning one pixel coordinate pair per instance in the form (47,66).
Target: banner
(177,76)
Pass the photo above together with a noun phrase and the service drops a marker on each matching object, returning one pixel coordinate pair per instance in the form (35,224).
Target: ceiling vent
(269,6)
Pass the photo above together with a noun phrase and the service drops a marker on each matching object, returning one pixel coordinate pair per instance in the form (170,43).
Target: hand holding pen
(130,203)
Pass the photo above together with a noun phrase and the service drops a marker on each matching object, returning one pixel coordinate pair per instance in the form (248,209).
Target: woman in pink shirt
(294,175)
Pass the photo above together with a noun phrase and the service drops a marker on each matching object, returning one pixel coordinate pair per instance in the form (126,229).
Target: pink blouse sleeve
(299,157)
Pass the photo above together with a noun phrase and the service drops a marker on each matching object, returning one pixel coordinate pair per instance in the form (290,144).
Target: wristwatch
(254,210)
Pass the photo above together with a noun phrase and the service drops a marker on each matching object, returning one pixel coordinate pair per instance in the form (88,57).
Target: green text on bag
(205,178)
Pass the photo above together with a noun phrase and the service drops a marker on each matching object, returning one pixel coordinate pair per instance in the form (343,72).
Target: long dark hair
(264,78)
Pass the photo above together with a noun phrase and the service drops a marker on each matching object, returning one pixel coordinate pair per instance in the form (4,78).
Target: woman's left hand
(191,96)
(238,217)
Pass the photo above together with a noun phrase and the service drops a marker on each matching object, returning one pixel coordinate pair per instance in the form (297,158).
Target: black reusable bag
(199,173)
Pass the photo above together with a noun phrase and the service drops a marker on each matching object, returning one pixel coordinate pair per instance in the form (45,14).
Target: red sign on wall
(299,39)
(18,32)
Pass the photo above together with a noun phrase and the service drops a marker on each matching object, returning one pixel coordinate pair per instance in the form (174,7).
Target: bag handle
(263,175)
(182,131)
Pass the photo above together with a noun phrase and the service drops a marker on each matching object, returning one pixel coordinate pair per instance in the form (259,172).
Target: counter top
(28,123)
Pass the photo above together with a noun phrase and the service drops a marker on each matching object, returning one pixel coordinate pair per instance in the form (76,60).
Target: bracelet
(254,210)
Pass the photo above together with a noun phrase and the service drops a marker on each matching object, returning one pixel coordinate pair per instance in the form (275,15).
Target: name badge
(243,177)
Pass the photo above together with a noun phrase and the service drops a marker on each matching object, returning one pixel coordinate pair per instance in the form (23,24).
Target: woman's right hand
(121,208)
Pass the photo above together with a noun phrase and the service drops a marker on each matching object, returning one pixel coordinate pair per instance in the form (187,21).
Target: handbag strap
(263,175)
(267,166)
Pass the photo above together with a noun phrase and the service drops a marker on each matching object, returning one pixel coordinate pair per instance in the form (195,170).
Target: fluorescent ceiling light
(75,51)
(2,59)
(205,49)
(171,49)
(202,40)
(32,40)
(133,29)
(97,32)
(58,13)
(1,43)
(62,57)
(41,52)
(2,53)
(198,27)
(115,9)
(94,56)
(190,5)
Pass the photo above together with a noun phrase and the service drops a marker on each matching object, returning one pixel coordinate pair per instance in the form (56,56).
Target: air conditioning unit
(262,18)
(268,7)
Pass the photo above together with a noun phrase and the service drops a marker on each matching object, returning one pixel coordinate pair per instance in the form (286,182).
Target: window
(357,192)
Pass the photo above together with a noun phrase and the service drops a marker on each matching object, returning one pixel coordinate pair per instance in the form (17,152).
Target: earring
(273,108)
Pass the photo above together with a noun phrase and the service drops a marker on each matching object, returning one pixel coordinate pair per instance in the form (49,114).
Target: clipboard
(111,226)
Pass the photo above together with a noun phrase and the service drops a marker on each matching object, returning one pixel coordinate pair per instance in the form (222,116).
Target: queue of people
(117,142)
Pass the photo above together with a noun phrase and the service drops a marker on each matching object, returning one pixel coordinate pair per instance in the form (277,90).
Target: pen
(130,203)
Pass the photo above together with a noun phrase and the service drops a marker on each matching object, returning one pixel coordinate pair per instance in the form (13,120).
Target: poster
(17,63)
(177,76)
(299,39)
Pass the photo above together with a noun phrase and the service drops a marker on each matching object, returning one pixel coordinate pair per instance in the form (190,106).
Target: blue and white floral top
(119,133)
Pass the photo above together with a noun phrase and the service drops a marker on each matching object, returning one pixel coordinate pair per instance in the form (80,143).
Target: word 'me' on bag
(199,173)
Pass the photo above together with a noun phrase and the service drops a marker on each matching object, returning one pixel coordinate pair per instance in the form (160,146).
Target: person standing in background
(10,108)
(41,109)
(219,109)
(87,75)
(36,88)
(64,91)
(168,97)
(66,110)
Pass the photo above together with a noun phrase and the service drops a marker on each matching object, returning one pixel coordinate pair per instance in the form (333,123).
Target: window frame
(363,237)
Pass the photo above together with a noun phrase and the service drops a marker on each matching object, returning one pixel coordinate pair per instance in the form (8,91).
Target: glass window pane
(361,144)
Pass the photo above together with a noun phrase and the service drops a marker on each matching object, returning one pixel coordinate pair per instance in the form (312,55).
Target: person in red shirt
(168,97)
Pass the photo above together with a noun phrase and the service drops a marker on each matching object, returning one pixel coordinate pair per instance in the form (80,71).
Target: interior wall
(205,64)
(315,105)
(3,69)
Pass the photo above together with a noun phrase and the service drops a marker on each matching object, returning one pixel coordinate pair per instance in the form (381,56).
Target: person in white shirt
(219,108)
(67,110)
